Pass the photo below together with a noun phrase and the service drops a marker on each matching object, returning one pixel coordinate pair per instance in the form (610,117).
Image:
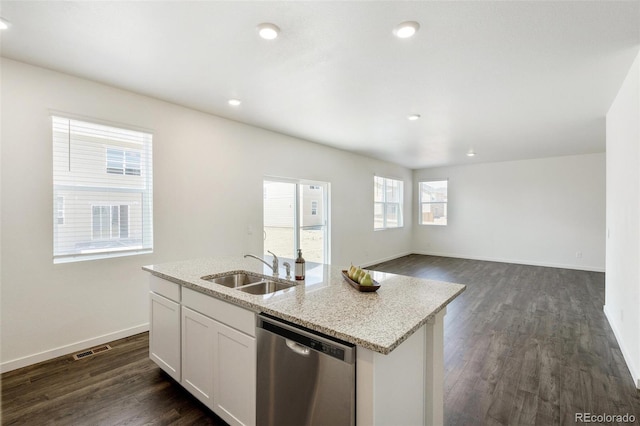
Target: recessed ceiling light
(234,102)
(4,24)
(471,153)
(413,117)
(406,29)
(268,31)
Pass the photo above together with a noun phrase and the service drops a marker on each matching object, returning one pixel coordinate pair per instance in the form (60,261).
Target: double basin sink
(249,283)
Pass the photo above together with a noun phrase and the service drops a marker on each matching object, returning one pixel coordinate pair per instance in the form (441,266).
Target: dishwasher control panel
(327,349)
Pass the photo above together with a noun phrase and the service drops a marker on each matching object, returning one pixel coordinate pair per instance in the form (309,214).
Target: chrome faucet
(274,266)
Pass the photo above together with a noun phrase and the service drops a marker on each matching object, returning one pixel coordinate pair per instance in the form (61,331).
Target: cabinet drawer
(165,288)
(234,316)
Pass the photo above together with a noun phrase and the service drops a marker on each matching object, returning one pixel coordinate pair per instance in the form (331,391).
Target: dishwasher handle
(297,348)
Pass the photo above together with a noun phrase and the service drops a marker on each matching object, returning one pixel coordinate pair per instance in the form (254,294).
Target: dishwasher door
(303,378)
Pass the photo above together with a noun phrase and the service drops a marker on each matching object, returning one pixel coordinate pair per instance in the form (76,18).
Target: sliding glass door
(296,216)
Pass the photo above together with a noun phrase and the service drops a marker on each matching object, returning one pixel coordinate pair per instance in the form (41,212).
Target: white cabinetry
(164,327)
(198,335)
(208,346)
(235,372)
(219,356)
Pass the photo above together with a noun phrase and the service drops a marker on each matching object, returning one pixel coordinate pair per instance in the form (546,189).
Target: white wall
(207,195)
(536,212)
(622,295)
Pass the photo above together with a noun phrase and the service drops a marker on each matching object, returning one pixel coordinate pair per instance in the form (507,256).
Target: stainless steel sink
(249,283)
(265,287)
(235,280)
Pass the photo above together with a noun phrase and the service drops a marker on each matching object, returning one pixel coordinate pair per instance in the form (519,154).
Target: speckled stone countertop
(324,301)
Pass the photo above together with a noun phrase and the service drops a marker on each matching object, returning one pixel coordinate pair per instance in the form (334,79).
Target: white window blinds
(102,191)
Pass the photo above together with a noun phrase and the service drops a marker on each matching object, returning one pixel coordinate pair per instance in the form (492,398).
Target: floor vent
(91,352)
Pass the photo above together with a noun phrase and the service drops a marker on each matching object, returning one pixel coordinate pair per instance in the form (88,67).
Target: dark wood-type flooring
(523,345)
(526,344)
(118,387)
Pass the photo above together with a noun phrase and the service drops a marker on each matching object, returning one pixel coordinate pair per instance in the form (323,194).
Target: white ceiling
(510,80)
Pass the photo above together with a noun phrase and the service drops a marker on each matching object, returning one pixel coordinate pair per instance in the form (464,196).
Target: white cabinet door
(234,372)
(164,334)
(214,362)
(198,335)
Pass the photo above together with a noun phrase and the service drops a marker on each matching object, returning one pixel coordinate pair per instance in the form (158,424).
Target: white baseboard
(635,374)
(386,259)
(71,348)
(516,261)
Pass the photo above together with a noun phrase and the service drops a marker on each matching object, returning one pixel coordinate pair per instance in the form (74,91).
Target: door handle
(297,348)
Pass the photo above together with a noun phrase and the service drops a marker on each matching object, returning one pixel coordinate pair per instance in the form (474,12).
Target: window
(387,203)
(433,202)
(124,162)
(110,222)
(100,211)
(296,216)
(59,210)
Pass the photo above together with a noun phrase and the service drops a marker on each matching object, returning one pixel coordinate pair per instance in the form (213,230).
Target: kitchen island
(398,329)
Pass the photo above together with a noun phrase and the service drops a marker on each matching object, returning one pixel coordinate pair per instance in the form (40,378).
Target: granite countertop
(324,301)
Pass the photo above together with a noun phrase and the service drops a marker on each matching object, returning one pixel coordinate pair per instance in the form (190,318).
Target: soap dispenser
(300,266)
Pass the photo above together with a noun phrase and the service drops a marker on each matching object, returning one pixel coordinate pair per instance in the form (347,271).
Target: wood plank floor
(523,345)
(526,344)
(118,387)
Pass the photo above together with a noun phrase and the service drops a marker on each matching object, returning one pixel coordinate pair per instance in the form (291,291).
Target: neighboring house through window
(59,209)
(103,188)
(110,222)
(123,162)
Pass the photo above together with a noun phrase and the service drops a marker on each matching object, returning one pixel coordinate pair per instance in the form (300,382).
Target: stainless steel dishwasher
(304,378)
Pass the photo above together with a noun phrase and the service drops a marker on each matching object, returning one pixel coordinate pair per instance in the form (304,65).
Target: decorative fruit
(351,271)
(366,279)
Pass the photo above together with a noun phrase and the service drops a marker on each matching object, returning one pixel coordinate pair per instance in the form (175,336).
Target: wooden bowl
(363,288)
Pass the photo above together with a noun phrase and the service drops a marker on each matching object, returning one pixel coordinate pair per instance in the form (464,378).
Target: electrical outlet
(578,255)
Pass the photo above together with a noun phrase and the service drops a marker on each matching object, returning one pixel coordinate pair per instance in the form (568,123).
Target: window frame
(385,204)
(444,203)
